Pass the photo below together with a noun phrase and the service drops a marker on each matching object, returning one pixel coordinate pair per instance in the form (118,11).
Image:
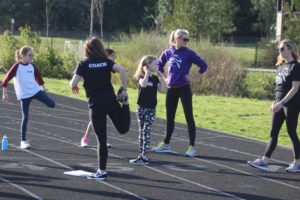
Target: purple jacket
(179,64)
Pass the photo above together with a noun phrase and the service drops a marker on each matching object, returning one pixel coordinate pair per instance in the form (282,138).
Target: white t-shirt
(24,82)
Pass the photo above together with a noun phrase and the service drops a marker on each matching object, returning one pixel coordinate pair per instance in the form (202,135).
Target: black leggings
(290,115)
(185,95)
(120,117)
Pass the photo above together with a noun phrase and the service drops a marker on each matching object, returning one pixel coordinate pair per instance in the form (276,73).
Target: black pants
(183,93)
(120,117)
(290,115)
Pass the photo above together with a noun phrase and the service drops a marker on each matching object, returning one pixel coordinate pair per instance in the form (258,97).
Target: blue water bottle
(4,144)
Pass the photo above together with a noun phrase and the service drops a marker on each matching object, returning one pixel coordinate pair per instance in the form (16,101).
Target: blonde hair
(22,52)
(145,60)
(177,34)
(293,47)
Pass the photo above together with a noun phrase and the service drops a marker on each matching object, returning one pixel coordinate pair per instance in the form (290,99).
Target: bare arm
(288,96)
(118,68)
(195,76)
(5,95)
(74,82)
(162,88)
(124,78)
(144,81)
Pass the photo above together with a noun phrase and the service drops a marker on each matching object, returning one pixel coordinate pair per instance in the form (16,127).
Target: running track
(220,172)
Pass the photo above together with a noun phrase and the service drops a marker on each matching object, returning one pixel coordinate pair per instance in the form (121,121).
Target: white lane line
(232,150)
(70,168)
(153,133)
(212,146)
(21,188)
(152,168)
(180,128)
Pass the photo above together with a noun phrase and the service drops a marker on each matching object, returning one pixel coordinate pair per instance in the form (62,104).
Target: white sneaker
(191,152)
(259,164)
(162,148)
(294,167)
(25,145)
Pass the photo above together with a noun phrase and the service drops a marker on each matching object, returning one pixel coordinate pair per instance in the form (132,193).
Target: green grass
(259,84)
(239,116)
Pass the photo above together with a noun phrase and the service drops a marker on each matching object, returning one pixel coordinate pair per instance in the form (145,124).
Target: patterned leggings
(145,118)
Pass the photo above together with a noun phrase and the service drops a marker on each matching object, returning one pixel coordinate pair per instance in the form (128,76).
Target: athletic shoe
(25,145)
(139,161)
(99,175)
(259,164)
(84,142)
(108,145)
(191,152)
(122,100)
(162,148)
(294,167)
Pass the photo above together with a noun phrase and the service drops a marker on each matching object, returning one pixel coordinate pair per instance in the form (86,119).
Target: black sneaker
(101,176)
(139,161)
(122,100)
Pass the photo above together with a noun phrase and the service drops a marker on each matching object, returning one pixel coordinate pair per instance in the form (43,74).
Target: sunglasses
(185,39)
(281,49)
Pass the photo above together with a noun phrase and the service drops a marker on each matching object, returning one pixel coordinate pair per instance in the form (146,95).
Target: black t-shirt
(147,97)
(96,74)
(286,74)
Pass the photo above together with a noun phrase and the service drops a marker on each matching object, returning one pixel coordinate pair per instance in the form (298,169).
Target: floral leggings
(145,118)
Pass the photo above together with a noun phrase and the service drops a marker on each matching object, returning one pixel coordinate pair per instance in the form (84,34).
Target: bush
(29,38)
(8,45)
(50,64)
(223,77)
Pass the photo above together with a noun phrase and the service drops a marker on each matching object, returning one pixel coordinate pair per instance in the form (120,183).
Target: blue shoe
(162,148)
(139,161)
(191,152)
(99,175)
(259,164)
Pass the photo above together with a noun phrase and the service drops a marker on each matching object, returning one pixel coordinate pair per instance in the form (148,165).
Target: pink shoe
(84,142)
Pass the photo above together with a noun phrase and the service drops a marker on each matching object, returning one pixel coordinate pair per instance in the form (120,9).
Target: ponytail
(172,38)
(17,55)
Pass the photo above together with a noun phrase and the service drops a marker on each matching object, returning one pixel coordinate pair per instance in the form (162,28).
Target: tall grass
(224,74)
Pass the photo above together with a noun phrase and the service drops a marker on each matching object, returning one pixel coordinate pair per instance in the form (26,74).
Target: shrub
(8,45)
(223,77)
(50,64)
(30,38)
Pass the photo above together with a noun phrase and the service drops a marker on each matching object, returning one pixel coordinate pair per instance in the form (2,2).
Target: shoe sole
(97,179)
(258,167)
(296,171)
(138,163)
(191,156)
(162,151)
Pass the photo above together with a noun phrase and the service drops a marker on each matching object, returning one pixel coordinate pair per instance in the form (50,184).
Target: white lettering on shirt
(97,65)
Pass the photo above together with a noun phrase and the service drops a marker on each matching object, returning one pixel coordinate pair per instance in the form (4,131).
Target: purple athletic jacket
(179,64)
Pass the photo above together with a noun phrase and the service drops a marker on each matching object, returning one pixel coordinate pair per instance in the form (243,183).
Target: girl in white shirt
(28,85)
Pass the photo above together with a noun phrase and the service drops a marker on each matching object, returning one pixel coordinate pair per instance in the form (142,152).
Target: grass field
(239,116)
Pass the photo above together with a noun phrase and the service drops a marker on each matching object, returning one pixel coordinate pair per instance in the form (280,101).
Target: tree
(99,6)
(48,9)
(266,15)
(210,19)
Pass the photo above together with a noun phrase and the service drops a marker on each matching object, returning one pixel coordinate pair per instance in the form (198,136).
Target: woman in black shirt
(286,106)
(96,73)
